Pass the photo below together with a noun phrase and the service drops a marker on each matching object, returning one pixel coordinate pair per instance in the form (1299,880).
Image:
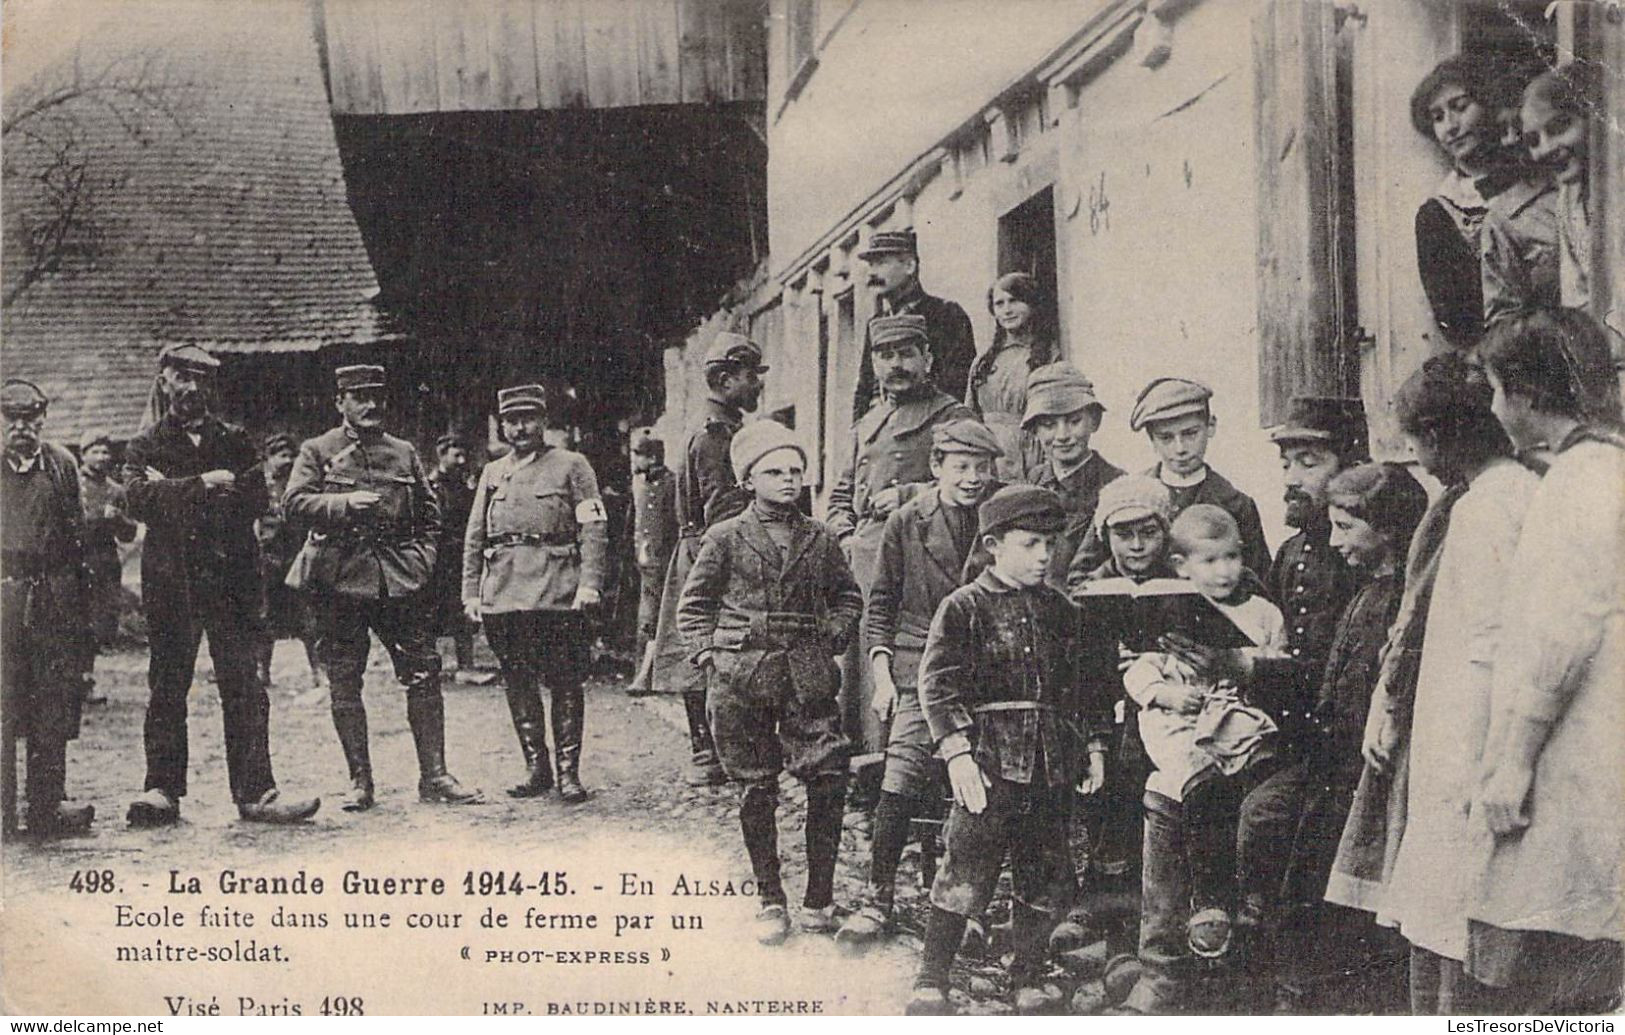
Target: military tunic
(368,571)
(891,449)
(654,538)
(706,493)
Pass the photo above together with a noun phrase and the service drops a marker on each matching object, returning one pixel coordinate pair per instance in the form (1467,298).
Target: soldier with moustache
(534,557)
(199,485)
(707,493)
(375,530)
(45,639)
(893,257)
(890,460)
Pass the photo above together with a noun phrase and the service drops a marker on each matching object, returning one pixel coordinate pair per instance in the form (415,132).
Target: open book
(1141,612)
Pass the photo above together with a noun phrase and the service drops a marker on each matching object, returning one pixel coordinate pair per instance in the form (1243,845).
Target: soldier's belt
(530,539)
(379,538)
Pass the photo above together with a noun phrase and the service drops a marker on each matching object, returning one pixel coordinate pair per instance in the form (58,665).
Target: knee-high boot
(426,714)
(569,718)
(525,705)
(350,721)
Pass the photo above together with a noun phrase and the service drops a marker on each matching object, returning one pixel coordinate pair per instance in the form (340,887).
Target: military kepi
(1030,508)
(1167,398)
(728,347)
(521,399)
(19,398)
(1320,418)
(890,242)
(891,331)
(964,435)
(188,357)
(757,439)
(357,376)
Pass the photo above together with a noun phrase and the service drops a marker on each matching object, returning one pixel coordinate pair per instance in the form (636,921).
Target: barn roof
(225,224)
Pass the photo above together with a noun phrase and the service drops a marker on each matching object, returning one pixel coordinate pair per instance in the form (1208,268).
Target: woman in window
(1462,106)
(1024,339)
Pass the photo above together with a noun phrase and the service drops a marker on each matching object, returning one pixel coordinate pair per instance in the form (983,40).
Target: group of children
(1223,774)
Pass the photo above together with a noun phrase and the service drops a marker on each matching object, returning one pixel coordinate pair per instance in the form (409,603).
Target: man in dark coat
(375,529)
(894,272)
(198,485)
(286,610)
(45,641)
(454,492)
(706,493)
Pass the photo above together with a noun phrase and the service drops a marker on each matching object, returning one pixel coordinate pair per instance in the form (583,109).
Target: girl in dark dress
(1463,106)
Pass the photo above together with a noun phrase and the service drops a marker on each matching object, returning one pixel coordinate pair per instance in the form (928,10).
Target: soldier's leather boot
(350,720)
(526,708)
(426,714)
(569,712)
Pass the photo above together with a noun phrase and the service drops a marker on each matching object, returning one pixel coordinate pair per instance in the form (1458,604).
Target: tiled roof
(231,230)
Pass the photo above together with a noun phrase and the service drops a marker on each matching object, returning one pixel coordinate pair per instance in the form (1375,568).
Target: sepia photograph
(784,508)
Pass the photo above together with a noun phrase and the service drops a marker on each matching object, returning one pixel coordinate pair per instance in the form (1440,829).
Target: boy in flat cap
(533,561)
(1176,415)
(923,550)
(197,484)
(768,604)
(454,492)
(107,523)
(287,613)
(1063,413)
(1020,726)
(375,529)
(45,642)
(707,492)
(654,537)
(893,257)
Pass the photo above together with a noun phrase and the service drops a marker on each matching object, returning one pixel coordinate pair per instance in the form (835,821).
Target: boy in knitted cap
(923,550)
(1019,714)
(768,604)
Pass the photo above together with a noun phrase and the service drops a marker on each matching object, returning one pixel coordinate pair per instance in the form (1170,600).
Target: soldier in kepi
(533,562)
(706,493)
(198,485)
(367,564)
(654,537)
(44,639)
(454,492)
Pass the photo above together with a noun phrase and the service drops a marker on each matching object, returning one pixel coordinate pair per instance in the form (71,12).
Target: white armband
(588,511)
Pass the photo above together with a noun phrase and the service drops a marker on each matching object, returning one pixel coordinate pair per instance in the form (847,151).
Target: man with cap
(1310,581)
(923,550)
(894,273)
(1063,413)
(768,603)
(533,561)
(1177,417)
(654,537)
(707,492)
(375,528)
(286,612)
(198,485)
(454,492)
(45,642)
(106,525)
(890,458)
